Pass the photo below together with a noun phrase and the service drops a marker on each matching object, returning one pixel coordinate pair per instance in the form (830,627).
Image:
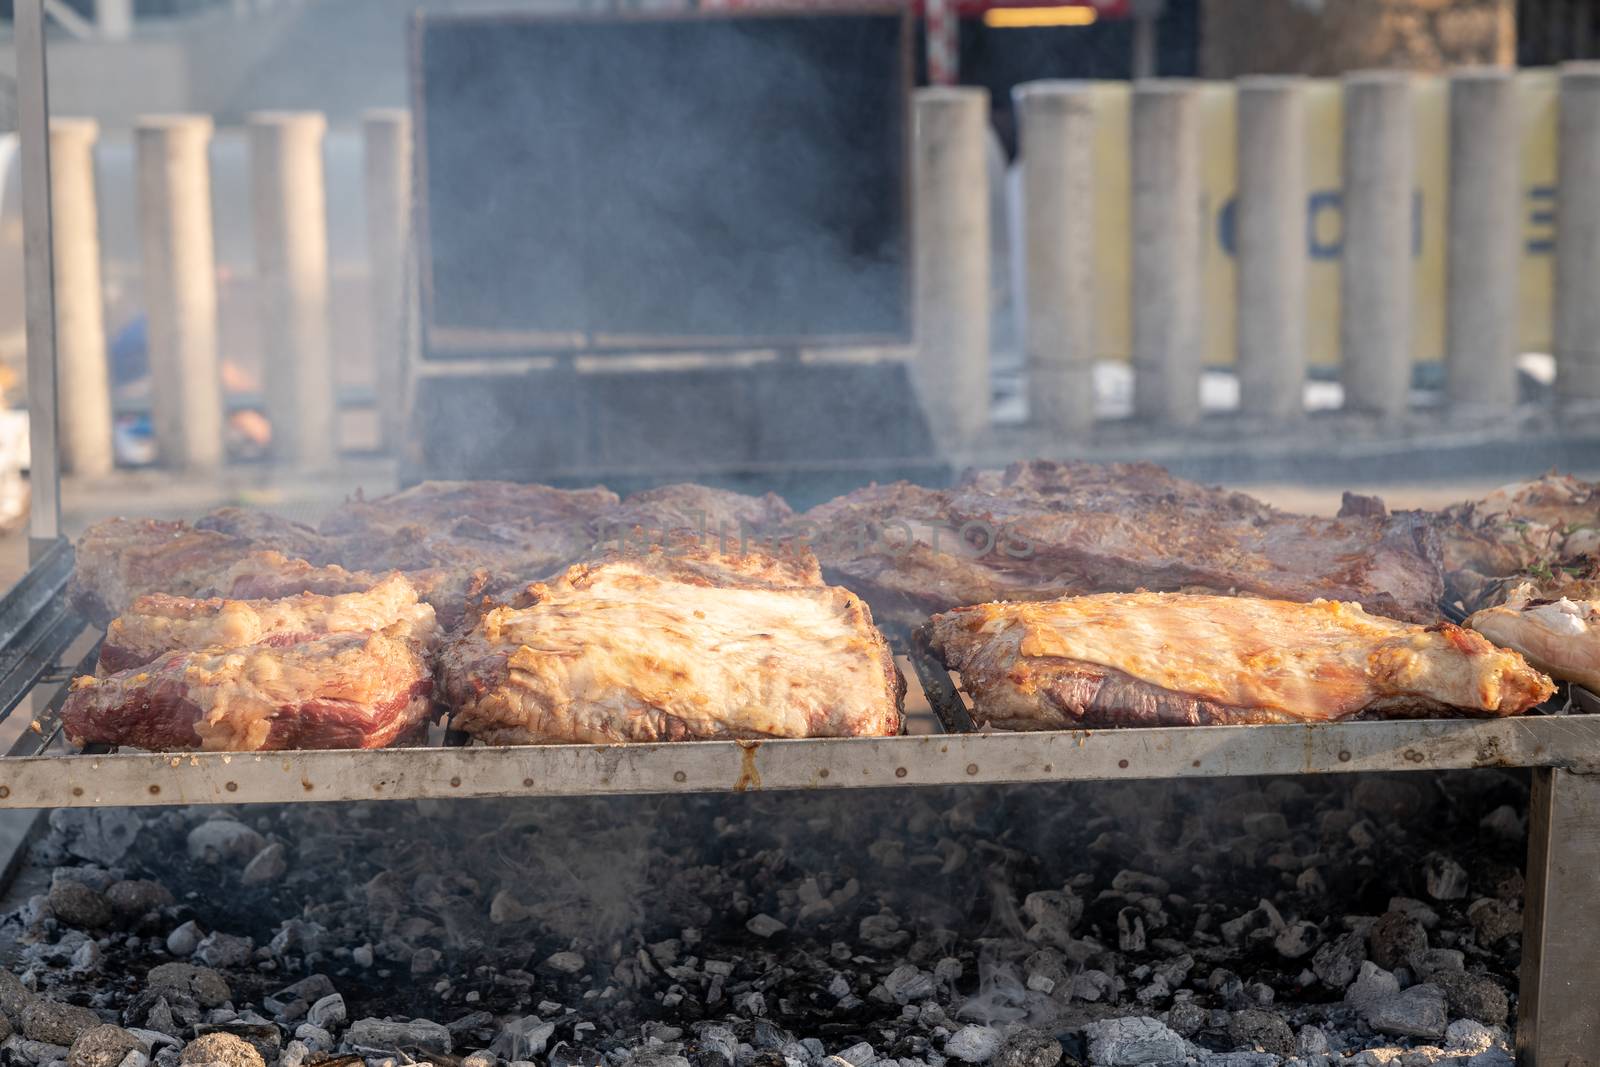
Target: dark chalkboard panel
(694,180)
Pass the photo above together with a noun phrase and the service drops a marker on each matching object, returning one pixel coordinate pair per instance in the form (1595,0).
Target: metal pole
(84,405)
(1558,1008)
(1166,217)
(1270,307)
(291,234)
(38,256)
(1577,297)
(1481,292)
(950,206)
(387,143)
(1057,126)
(1375,271)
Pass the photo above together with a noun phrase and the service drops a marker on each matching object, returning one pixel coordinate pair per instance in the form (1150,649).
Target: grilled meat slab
(1517,528)
(1174,659)
(688,514)
(159,623)
(120,560)
(1042,529)
(662,646)
(1560,637)
(341,690)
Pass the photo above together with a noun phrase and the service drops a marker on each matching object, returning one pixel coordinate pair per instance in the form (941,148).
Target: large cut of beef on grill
(120,560)
(158,623)
(686,514)
(1525,526)
(306,672)
(1042,529)
(1175,659)
(666,646)
(460,540)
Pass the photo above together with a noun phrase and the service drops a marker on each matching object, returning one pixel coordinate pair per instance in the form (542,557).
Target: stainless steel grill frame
(1559,1006)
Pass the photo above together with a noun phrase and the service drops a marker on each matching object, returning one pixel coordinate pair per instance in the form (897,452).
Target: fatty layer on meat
(1164,659)
(665,646)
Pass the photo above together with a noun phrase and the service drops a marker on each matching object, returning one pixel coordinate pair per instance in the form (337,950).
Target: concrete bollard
(386,140)
(950,207)
(84,379)
(1376,268)
(1057,137)
(180,288)
(291,234)
(1166,212)
(1270,306)
(1481,308)
(1577,278)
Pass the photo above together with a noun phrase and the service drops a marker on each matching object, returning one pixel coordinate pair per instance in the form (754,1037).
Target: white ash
(1227,924)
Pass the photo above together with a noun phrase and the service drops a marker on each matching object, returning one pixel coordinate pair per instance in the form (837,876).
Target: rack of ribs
(680,645)
(1175,659)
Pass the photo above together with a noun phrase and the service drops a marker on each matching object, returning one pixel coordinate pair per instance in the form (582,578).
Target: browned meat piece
(121,559)
(159,623)
(459,540)
(1040,530)
(897,547)
(687,514)
(663,647)
(500,510)
(1519,527)
(1172,659)
(342,690)
(264,530)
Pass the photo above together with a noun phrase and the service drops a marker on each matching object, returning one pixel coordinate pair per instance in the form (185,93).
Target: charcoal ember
(1446,879)
(219,840)
(36,1052)
(1473,996)
(55,1023)
(973,1044)
(162,1010)
(1494,920)
(77,904)
(185,939)
(218,949)
(1092,985)
(295,1054)
(1297,939)
(134,898)
(1310,1042)
(1438,960)
(1130,930)
(523,1038)
(312,1038)
(1505,821)
(1055,912)
(1395,938)
(171,1056)
(860,1054)
(262,1036)
(208,988)
(882,932)
(1027,1047)
(220,1050)
(266,866)
(14,996)
(300,937)
(564,963)
(380,1035)
(1418,1011)
(1131,1042)
(95,834)
(764,925)
(1255,1030)
(135,1058)
(1372,984)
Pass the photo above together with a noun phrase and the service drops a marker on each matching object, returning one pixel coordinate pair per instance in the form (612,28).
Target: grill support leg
(1558,1014)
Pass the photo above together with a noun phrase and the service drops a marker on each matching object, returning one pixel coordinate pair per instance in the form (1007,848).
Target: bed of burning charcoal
(1248,923)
